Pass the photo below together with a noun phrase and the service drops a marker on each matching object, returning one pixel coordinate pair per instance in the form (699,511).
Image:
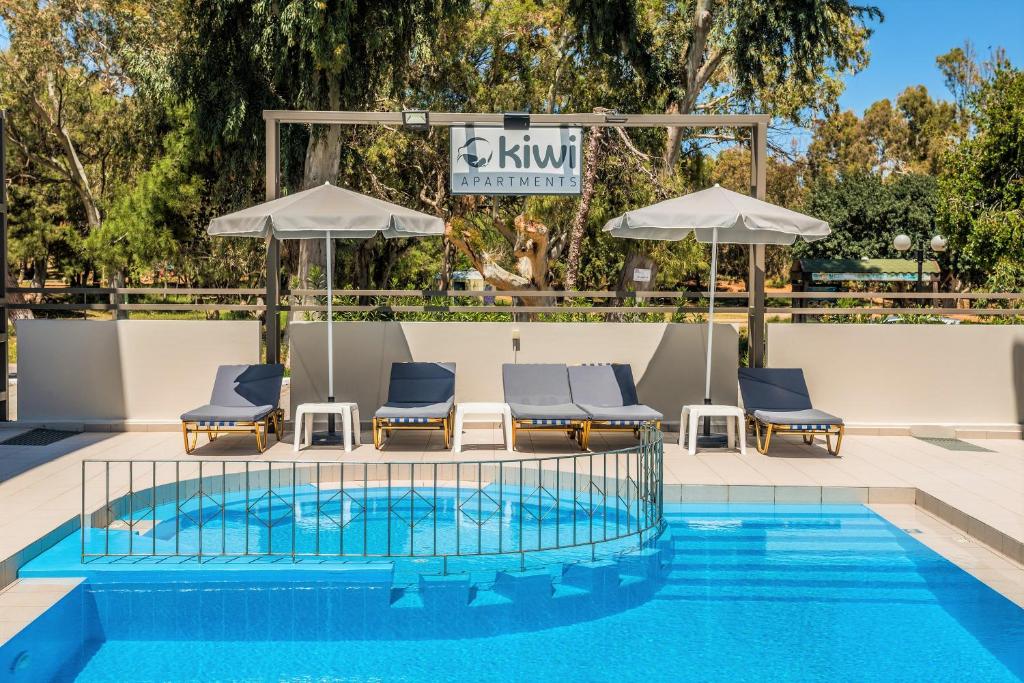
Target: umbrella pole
(330,333)
(706,436)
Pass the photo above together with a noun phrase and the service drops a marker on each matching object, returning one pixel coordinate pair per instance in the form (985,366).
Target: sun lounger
(539,397)
(608,395)
(776,400)
(245,399)
(420,396)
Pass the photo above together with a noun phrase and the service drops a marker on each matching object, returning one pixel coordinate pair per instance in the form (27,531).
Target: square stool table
(349,413)
(689,420)
(482,412)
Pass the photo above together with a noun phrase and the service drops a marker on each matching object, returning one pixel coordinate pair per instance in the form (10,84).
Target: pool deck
(970,503)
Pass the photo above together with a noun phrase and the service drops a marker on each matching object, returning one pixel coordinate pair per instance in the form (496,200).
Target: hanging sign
(641,275)
(491,160)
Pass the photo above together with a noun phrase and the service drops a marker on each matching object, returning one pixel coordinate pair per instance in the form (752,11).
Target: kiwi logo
(477,152)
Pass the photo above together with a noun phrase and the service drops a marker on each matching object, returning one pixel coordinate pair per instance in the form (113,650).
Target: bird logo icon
(476,152)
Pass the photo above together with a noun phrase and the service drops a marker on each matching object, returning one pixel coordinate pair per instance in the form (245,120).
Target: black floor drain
(956,445)
(37,437)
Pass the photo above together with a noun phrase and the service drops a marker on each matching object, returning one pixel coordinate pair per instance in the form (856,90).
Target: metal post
(5,386)
(273,182)
(711,315)
(920,269)
(756,296)
(330,333)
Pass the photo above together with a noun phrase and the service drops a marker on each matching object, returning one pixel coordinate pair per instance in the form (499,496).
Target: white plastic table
(349,413)
(689,420)
(482,412)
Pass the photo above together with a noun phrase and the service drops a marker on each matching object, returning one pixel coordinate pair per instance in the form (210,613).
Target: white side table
(349,413)
(690,419)
(482,412)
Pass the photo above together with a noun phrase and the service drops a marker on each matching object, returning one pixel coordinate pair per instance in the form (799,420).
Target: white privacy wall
(961,376)
(124,371)
(667,359)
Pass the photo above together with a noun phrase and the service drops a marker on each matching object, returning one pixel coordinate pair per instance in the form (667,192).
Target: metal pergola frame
(4,347)
(757,123)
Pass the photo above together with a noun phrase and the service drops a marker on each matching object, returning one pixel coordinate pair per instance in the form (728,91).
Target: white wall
(123,371)
(667,359)
(905,375)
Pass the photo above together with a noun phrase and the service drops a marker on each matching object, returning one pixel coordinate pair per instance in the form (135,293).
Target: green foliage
(982,190)
(150,218)
(866,212)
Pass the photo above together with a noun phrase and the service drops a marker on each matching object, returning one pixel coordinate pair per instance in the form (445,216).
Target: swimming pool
(750,592)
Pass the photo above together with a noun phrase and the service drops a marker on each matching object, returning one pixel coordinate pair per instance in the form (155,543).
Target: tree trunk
(15,314)
(634,259)
(579,220)
(699,67)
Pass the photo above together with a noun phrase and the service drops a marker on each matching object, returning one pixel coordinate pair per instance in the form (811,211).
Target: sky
(904,46)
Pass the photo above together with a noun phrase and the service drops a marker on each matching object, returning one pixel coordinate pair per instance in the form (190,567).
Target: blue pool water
(358,523)
(732,593)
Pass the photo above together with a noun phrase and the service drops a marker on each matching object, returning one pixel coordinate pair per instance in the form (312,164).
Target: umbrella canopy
(324,210)
(714,216)
(737,218)
(327,212)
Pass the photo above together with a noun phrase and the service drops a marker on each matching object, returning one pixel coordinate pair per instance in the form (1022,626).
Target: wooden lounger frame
(191,429)
(610,426)
(577,430)
(828,431)
(382,427)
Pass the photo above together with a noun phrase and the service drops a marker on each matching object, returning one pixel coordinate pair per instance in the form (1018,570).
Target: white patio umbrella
(327,212)
(717,216)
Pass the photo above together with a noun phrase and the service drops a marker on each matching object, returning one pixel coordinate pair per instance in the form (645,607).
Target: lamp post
(903,243)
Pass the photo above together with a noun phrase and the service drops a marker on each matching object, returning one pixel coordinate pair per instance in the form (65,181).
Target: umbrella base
(712,440)
(327,438)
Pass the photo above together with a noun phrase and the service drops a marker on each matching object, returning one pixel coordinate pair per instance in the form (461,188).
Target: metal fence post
(272,322)
(755,278)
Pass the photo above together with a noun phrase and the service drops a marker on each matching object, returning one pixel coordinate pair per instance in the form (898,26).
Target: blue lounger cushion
(536,384)
(780,396)
(608,393)
(226,414)
(798,417)
(415,410)
(419,390)
(241,393)
(558,413)
(631,414)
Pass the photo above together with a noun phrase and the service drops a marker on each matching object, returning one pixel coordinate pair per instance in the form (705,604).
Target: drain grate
(37,437)
(955,445)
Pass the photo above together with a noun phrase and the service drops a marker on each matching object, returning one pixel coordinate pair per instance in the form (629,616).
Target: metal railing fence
(588,302)
(315,509)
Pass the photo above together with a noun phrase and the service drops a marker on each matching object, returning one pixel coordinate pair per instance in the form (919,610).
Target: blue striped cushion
(409,420)
(221,423)
(552,422)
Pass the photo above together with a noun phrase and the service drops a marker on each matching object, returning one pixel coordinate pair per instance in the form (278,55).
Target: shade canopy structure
(715,216)
(327,212)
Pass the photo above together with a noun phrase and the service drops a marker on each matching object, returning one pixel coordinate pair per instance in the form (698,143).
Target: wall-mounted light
(416,119)
(517,120)
(515,339)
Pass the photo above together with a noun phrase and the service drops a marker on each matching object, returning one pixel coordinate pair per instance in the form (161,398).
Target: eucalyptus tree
(69,76)
(982,196)
(236,59)
(786,58)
